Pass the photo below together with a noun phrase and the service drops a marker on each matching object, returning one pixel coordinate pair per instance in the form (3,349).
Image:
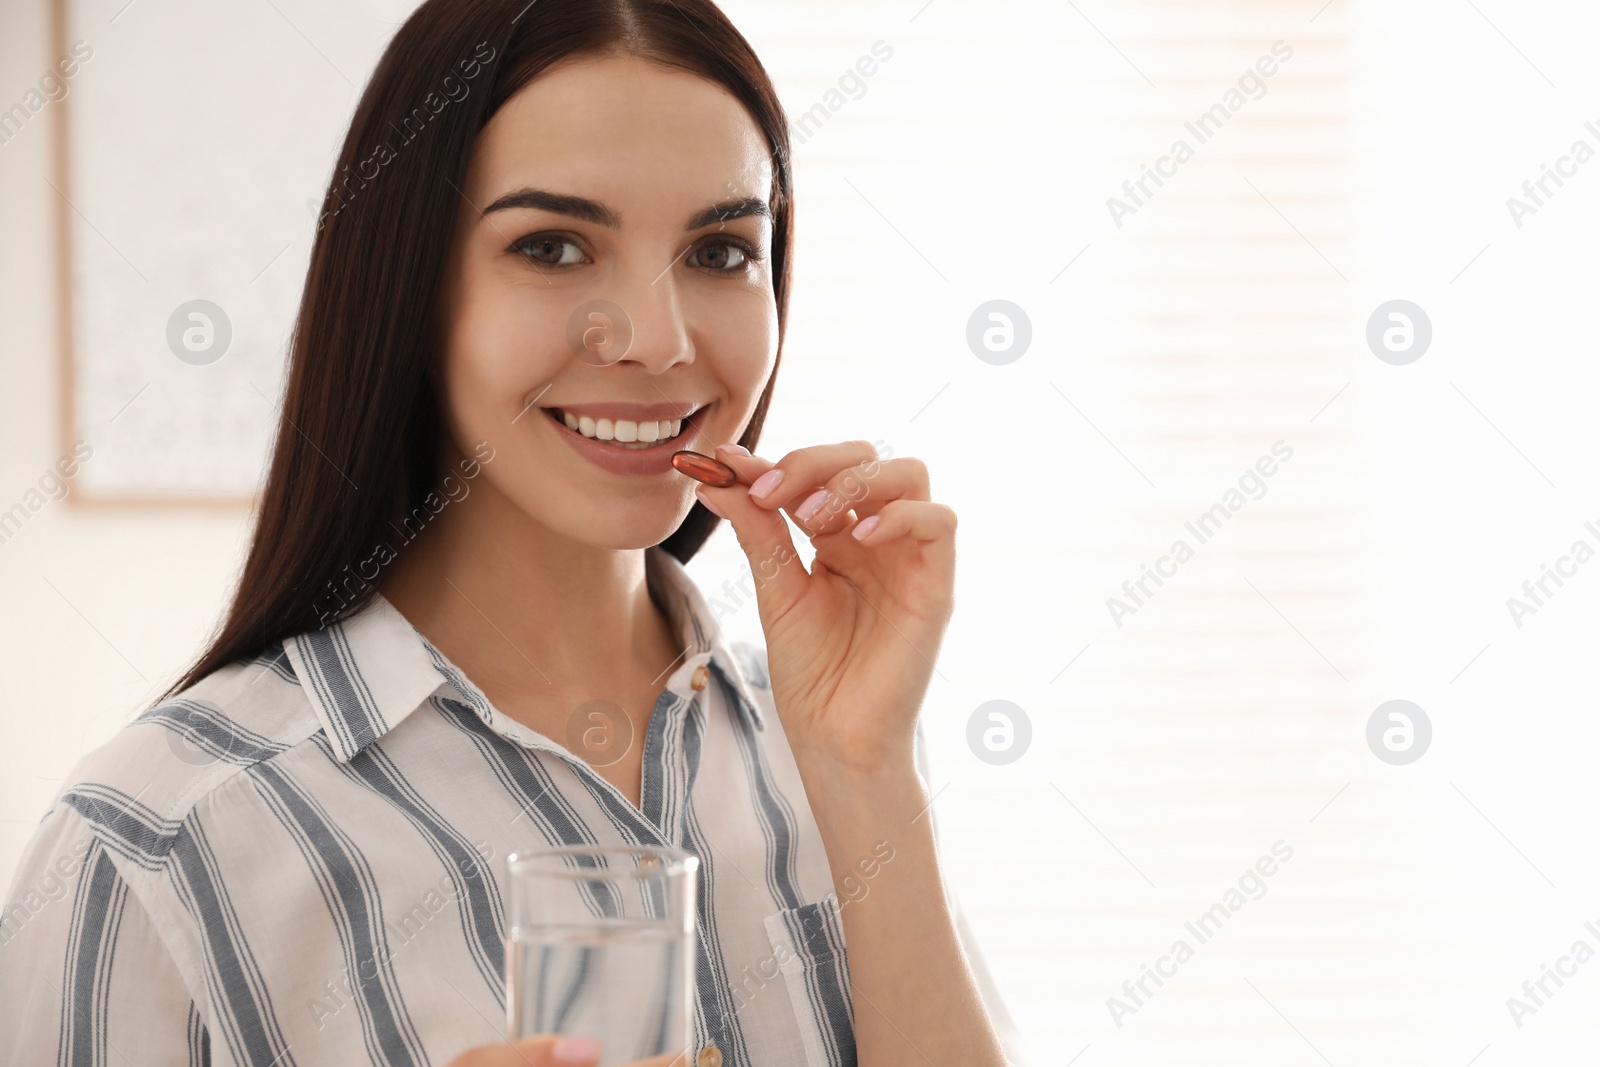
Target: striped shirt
(300,860)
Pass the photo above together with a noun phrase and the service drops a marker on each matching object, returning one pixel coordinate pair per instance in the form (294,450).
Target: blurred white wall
(1168,354)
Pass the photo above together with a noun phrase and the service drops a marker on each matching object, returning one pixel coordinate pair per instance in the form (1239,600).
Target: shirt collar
(367,673)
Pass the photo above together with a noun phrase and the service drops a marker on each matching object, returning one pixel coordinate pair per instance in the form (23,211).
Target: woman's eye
(722,256)
(550,250)
(554,250)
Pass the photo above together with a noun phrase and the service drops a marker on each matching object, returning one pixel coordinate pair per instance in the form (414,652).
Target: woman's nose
(640,322)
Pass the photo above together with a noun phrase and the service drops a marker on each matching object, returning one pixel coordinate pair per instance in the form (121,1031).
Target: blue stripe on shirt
(233,978)
(477,896)
(351,893)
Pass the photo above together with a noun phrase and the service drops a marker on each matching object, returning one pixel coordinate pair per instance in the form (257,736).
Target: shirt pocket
(808,943)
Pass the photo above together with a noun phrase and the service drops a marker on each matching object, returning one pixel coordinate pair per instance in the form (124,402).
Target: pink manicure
(764,485)
(865,527)
(809,507)
(698,495)
(576,1051)
(736,449)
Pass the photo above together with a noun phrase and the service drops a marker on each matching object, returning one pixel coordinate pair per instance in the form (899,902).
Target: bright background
(1230,711)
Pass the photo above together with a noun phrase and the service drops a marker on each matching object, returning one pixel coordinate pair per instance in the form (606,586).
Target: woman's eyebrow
(593,211)
(729,210)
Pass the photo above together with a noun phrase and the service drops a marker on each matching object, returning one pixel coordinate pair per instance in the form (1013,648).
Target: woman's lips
(657,459)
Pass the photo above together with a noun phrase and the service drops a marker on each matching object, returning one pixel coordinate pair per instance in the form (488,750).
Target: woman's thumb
(763,536)
(545,1050)
(575,1052)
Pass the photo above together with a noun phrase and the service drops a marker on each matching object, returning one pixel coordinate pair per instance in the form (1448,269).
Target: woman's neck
(540,622)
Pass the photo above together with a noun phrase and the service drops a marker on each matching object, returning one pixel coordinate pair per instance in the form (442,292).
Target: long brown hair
(360,435)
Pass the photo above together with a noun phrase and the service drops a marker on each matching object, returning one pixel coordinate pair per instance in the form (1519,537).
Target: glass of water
(601,945)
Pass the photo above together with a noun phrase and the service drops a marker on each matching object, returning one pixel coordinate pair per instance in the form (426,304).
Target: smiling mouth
(630,434)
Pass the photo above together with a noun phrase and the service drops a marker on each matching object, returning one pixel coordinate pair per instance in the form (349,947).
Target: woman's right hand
(552,1051)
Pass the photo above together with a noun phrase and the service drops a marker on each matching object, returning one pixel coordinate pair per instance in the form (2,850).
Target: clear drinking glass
(601,945)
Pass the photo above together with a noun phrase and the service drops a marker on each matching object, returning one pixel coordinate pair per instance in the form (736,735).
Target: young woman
(555,251)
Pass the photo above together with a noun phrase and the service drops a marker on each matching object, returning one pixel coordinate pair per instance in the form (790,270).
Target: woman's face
(610,267)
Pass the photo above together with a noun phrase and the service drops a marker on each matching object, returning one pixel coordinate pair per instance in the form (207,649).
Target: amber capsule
(713,472)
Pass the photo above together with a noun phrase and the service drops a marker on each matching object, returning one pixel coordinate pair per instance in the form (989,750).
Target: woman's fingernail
(709,505)
(765,484)
(736,449)
(576,1050)
(810,505)
(864,527)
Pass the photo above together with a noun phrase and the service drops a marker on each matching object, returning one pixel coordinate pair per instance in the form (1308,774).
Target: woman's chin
(631,527)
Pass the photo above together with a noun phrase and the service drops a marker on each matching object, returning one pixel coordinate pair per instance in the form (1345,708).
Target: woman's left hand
(851,643)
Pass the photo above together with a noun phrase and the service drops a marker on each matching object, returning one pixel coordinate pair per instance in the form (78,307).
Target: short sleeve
(1004,1025)
(84,975)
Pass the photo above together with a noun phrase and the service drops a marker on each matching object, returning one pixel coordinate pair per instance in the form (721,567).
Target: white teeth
(624,431)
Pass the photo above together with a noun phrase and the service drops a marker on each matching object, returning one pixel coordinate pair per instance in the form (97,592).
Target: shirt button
(710,1056)
(697,682)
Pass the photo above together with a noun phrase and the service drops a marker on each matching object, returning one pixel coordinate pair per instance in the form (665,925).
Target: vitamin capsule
(713,472)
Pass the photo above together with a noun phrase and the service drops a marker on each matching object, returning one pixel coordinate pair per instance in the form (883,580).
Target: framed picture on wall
(192,145)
